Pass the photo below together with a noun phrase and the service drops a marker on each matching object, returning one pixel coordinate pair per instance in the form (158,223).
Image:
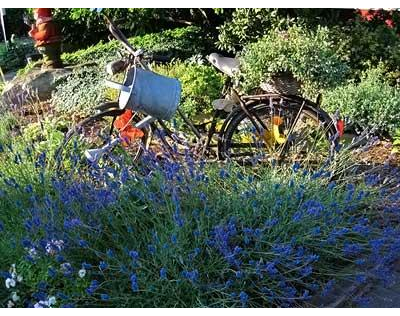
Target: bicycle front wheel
(95,133)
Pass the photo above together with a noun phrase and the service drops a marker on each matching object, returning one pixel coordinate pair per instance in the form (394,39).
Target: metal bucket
(150,93)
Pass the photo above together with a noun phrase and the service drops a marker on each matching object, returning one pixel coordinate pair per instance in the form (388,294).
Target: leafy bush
(361,44)
(181,43)
(80,91)
(371,103)
(13,57)
(82,26)
(46,135)
(308,55)
(201,85)
(247,26)
(7,122)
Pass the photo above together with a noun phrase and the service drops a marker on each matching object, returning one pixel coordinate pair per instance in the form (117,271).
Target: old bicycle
(247,128)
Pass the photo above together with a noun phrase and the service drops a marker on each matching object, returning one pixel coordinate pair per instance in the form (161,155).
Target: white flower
(65,267)
(54,246)
(10,304)
(51,300)
(41,304)
(82,273)
(32,252)
(10,283)
(19,278)
(15,297)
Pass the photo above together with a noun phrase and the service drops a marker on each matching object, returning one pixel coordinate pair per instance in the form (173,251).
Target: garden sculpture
(48,38)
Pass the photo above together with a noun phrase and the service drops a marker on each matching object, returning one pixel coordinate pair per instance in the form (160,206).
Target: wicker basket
(282,83)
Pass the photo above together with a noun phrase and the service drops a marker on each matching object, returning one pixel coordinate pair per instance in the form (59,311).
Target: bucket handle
(118,86)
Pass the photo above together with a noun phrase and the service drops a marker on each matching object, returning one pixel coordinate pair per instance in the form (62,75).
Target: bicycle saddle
(225,64)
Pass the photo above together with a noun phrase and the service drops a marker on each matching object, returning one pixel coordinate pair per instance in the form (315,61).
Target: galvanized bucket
(150,93)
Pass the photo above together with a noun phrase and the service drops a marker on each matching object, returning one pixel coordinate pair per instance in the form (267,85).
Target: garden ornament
(48,38)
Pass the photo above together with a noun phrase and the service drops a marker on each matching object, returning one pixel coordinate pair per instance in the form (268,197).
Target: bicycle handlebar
(116,32)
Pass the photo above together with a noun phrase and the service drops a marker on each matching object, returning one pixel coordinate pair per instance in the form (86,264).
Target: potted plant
(292,60)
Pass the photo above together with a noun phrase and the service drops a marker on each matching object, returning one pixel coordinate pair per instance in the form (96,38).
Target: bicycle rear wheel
(311,141)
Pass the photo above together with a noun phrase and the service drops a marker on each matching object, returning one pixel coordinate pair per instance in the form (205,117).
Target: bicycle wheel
(94,133)
(311,141)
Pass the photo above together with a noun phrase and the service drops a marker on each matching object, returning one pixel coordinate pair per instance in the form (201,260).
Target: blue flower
(239,274)
(361,278)
(296,166)
(351,249)
(271,269)
(192,276)
(134,284)
(244,297)
(103,265)
(94,284)
(163,273)
(362,301)
(237,250)
(86,266)
(134,254)
(151,249)
(72,223)
(52,272)
(223,174)
(328,288)
(306,271)
(83,243)
(104,297)
(229,283)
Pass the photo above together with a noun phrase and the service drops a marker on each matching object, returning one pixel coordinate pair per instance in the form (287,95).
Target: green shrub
(246,26)
(14,56)
(181,43)
(82,26)
(201,85)
(80,92)
(371,103)
(309,55)
(7,122)
(46,135)
(362,44)
(396,141)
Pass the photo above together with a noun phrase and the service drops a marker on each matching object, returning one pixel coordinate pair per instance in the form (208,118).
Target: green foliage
(14,22)
(371,103)
(246,26)
(181,43)
(396,141)
(361,43)
(46,135)
(201,85)
(81,25)
(13,57)
(308,55)
(80,92)
(7,122)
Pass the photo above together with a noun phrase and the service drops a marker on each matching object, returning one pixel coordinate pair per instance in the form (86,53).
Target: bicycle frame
(149,121)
